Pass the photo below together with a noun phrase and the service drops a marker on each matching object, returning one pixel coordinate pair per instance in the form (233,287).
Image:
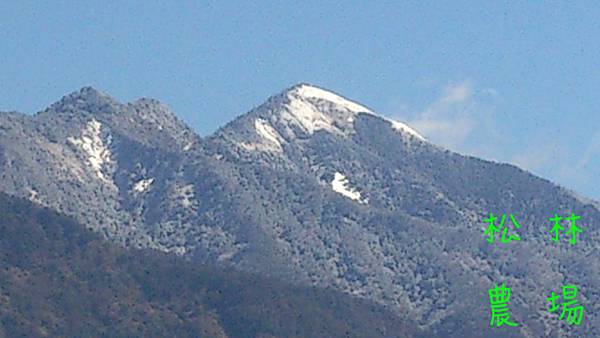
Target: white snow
(318,93)
(307,116)
(33,196)
(339,184)
(311,117)
(264,129)
(188,146)
(142,185)
(271,140)
(92,144)
(405,128)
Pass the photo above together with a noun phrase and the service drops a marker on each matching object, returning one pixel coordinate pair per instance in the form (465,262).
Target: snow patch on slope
(405,128)
(271,140)
(340,185)
(92,144)
(264,129)
(33,196)
(142,185)
(188,146)
(307,116)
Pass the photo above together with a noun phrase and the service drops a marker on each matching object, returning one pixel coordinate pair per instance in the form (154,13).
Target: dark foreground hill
(58,279)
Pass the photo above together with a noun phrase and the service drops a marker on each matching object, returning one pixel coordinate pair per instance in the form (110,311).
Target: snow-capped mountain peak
(304,105)
(299,112)
(313,92)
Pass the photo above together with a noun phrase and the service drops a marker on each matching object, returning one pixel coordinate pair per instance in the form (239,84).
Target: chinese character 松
(492,229)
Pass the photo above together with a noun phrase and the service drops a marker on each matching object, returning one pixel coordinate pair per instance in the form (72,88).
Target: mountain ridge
(295,190)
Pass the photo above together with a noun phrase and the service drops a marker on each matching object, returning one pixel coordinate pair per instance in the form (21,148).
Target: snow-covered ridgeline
(318,93)
(303,109)
(306,112)
(405,128)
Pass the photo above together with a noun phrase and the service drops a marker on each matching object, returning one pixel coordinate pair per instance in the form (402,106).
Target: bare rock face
(313,188)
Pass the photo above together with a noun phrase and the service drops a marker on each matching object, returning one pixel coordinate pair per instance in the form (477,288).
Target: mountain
(59,279)
(314,189)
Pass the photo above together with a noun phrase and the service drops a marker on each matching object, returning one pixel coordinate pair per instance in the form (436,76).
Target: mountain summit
(315,189)
(296,114)
(317,96)
(87,99)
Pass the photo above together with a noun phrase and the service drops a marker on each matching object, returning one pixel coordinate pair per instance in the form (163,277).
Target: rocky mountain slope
(315,189)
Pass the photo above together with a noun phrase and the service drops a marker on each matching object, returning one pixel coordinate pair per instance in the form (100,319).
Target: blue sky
(517,82)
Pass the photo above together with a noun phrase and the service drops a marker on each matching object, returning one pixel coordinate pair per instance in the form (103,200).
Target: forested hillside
(58,279)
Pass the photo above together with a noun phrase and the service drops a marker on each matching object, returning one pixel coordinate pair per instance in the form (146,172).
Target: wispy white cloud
(453,118)
(539,155)
(590,152)
(457,93)
(578,169)
(559,160)
(463,118)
